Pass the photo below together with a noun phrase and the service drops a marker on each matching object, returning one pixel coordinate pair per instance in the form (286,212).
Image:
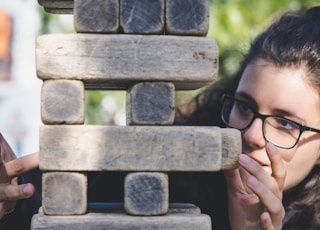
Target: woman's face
(283,92)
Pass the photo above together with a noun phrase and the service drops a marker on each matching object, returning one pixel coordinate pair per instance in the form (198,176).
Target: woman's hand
(255,196)
(10,168)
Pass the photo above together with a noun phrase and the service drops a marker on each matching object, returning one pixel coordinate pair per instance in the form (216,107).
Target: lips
(259,161)
(259,156)
(265,166)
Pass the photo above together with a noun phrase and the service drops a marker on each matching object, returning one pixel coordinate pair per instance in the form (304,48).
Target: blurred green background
(233,24)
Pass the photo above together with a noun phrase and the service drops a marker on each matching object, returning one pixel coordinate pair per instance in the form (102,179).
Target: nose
(253,135)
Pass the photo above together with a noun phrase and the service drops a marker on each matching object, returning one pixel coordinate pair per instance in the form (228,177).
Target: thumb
(16,192)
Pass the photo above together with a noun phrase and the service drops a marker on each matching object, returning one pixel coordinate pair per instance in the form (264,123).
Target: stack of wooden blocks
(150,48)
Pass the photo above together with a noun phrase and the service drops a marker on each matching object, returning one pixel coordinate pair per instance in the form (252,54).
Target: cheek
(299,162)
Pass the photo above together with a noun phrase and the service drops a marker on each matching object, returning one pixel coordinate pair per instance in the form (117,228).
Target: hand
(10,168)
(255,196)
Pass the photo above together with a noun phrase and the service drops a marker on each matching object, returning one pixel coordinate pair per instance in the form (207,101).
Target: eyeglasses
(279,131)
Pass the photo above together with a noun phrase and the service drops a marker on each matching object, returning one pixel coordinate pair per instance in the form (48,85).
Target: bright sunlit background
(20,94)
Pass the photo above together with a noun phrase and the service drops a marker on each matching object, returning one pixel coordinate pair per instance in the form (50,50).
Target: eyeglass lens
(277,130)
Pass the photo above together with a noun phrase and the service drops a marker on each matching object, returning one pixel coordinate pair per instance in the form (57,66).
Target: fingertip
(265,220)
(273,153)
(271,149)
(28,190)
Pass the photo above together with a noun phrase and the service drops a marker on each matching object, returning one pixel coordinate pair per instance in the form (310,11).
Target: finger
(16,192)
(256,170)
(270,201)
(266,223)
(244,174)
(14,181)
(6,153)
(277,165)
(6,207)
(20,165)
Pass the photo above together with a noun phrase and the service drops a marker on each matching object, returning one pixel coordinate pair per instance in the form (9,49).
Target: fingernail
(26,191)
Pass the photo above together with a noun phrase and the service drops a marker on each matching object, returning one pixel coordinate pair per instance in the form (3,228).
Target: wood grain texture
(57,6)
(105,221)
(142,16)
(108,207)
(64,193)
(150,103)
(146,193)
(187,17)
(118,61)
(58,10)
(56,3)
(63,102)
(136,148)
(96,16)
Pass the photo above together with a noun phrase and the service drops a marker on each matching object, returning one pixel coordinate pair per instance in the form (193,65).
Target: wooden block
(64,193)
(118,207)
(146,193)
(137,148)
(230,148)
(57,6)
(118,61)
(62,102)
(56,3)
(96,16)
(150,103)
(105,221)
(185,17)
(58,10)
(142,16)
(184,208)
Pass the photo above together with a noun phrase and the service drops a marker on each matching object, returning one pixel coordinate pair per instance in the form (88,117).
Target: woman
(274,100)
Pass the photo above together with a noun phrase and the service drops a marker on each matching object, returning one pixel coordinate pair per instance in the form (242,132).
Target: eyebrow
(247,98)
(277,112)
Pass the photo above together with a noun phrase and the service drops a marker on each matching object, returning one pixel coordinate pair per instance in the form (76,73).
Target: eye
(285,124)
(242,108)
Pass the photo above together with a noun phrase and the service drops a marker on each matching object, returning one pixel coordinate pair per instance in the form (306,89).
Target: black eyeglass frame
(263,117)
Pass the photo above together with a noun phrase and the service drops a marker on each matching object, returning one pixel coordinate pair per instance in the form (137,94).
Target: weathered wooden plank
(150,103)
(118,61)
(231,147)
(146,193)
(58,10)
(104,221)
(142,16)
(184,208)
(56,3)
(96,16)
(64,193)
(118,207)
(62,102)
(187,17)
(137,148)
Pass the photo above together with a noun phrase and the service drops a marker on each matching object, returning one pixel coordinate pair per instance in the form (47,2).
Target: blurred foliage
(105,107)
(233,24)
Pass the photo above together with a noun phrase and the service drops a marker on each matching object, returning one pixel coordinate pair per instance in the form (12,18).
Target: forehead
(283,88)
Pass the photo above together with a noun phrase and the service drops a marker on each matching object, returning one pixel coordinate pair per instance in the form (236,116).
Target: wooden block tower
(150,48)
